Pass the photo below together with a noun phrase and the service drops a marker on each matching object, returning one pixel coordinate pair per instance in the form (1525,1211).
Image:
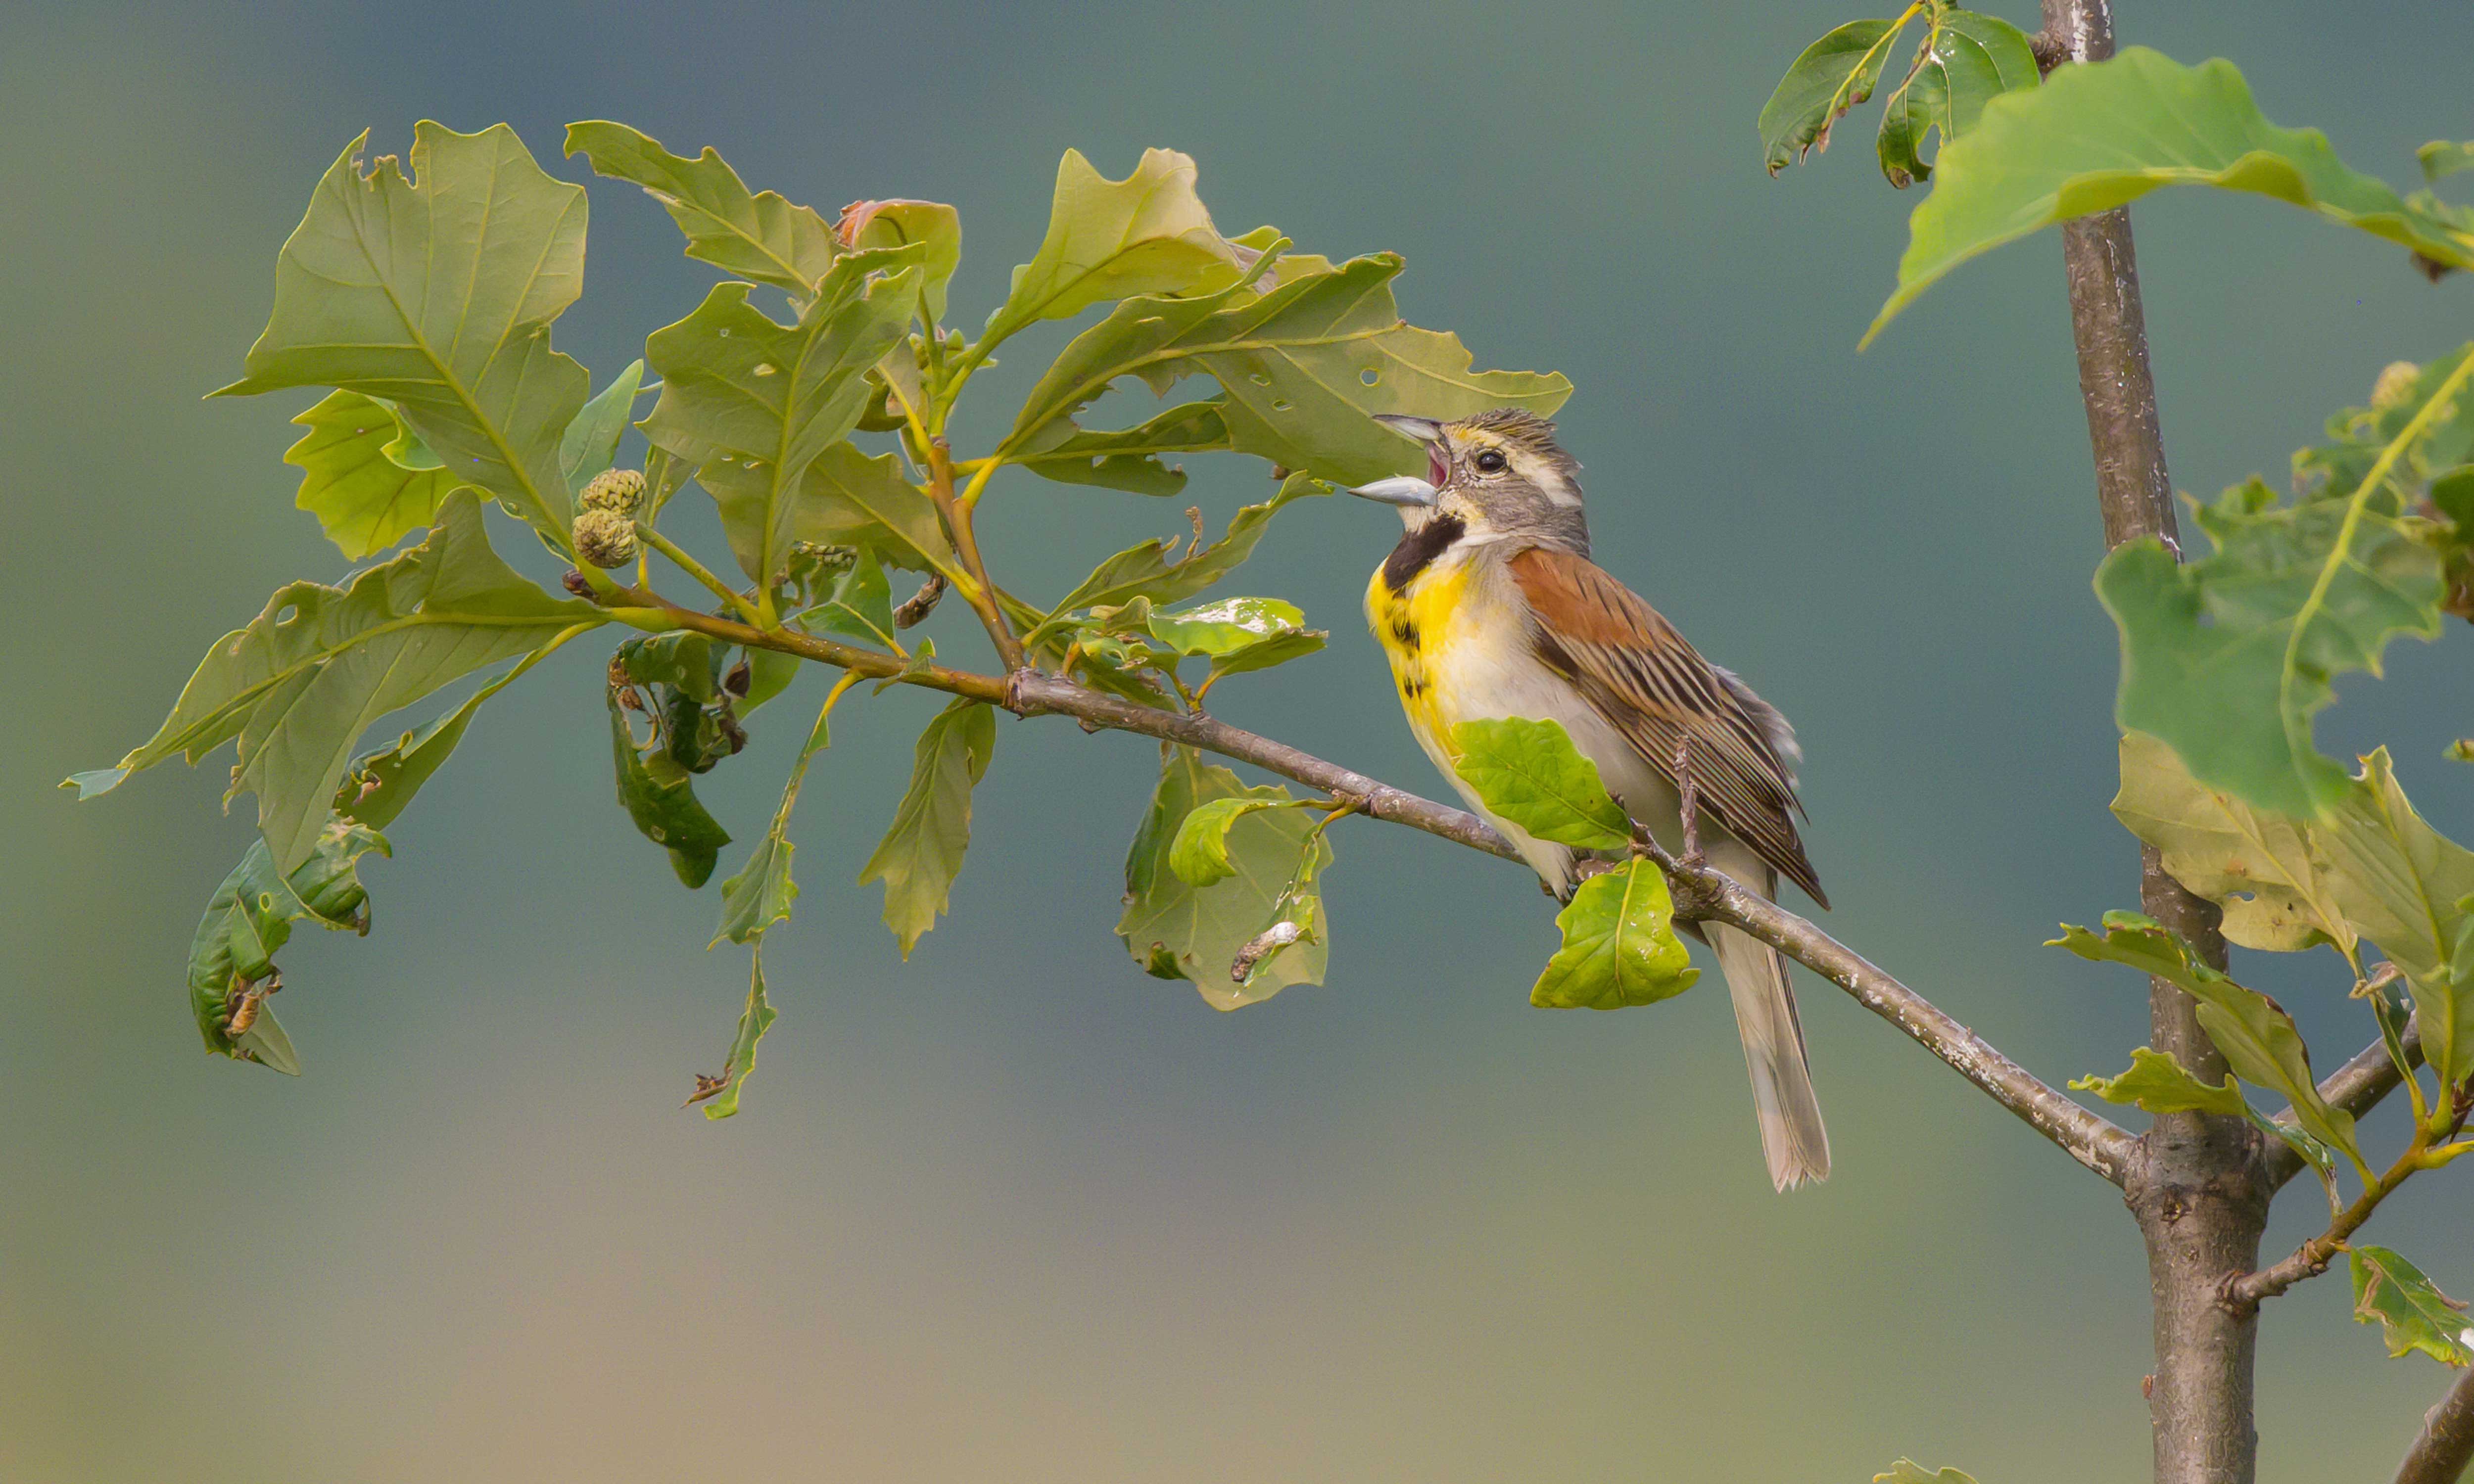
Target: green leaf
(2229,657)
(1199,853)
(720,1094)
(860,607)
(2441,158)
(936,229)
(364,500)
(1152,571)
(1966,61)
(1305,366)
(922,851)
(375,792)
(1180,931)
(849,499)
(1833,75)
(2358,435)
(754,235)
(762,891)
(2258,1038)
(1128,459)
(1528,773)
(2371,870)
(2412,1312)
(436,294)
(2158,1082)
(1224,626)
(591,443)
(2097,135)
(300,684)
(665,808)
(1145,235)
(248,921)
(753,403)
(1907,1471)
(1619,945)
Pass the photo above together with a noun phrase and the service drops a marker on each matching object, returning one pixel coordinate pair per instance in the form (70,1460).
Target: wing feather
(1653,687)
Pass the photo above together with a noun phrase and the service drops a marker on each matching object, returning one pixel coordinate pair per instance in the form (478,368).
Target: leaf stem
(979,592)
(737,602)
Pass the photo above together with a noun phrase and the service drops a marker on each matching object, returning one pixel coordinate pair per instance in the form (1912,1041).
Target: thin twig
(2312,1257)
(2446,1444)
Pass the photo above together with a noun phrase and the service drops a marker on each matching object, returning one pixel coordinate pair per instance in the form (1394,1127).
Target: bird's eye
(1491,461)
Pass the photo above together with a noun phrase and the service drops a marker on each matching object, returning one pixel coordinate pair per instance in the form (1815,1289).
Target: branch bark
(2446,1444)
(2198,1184)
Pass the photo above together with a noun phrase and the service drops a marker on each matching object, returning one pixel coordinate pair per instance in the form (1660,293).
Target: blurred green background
(1013,1210)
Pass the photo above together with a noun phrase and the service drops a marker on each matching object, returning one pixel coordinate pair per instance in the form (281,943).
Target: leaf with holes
(1303,365)
(757,235)
(1530,773)
(663,805)
(1619,946)
(300,685)
(2412,1312)
(436,295)
(753,403)
(2097,135)
(1176,930)
(922,851)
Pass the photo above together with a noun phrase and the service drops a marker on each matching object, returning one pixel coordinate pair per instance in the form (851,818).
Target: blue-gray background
(1012,1210)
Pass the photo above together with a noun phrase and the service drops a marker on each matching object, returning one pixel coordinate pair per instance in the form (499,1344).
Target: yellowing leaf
(1145,235)
(364,499)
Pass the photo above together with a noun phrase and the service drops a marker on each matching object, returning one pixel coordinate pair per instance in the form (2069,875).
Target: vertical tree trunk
(2197,1185)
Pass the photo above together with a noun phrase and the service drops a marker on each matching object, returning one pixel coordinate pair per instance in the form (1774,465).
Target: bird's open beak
(1400,489)
(1425,430)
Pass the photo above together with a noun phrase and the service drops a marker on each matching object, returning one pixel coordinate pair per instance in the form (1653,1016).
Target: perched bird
(1490,608)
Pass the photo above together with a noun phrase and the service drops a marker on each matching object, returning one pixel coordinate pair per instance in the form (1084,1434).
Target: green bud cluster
(618,490)
(605,537)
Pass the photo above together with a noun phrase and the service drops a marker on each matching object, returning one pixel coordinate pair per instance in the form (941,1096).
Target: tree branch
(1702,895)
(981,593)
(2312,1257)
(2357,1088)
(2446,1444)
(1705,894)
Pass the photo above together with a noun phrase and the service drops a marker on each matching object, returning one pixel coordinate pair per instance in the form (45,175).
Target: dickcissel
(1490,608)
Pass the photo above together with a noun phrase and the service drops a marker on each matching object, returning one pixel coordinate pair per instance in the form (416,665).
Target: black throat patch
(1419,549)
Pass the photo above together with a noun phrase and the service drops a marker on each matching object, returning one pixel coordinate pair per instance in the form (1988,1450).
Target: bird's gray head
(1499,474)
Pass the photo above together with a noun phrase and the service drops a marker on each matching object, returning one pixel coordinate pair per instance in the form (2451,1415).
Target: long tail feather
(1792,1135)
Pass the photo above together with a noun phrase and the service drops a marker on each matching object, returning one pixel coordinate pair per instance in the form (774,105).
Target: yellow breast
(1417,629)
